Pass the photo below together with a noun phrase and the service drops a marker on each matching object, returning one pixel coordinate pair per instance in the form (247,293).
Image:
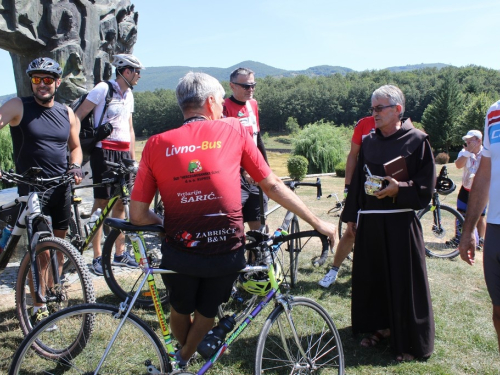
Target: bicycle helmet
(258,283)
(445,185)
(126,60)
(44,65)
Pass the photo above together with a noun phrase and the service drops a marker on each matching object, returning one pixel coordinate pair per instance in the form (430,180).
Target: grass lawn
(466,342)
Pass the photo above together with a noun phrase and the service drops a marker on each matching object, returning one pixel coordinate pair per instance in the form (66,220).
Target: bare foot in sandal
(375,338)
(405,357)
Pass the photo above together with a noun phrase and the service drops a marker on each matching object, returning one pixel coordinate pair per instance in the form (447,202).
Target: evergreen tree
(441,118)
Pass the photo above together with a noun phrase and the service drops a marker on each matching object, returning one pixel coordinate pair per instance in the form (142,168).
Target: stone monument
(81,35)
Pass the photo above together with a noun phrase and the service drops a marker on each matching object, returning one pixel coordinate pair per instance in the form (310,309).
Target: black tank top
(41,139)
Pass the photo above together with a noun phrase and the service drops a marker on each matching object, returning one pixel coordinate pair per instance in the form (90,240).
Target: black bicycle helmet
(445,185)
(44,65)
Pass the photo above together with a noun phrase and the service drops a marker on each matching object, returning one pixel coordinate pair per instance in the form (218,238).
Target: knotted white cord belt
(397,211)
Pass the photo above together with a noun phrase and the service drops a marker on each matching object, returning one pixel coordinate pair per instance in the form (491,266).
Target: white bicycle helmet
(126,60)
(44,65)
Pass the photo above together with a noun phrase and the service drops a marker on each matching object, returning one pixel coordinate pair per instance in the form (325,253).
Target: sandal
(405,357)
(375,338)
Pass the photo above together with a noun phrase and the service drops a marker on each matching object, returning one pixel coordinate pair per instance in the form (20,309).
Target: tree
(474,112)
(441,118)
(323,145)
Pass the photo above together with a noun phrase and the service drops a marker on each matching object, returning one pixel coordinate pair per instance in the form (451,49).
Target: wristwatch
(74,166)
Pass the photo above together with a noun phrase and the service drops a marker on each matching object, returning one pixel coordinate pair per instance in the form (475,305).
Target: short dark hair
(240,72)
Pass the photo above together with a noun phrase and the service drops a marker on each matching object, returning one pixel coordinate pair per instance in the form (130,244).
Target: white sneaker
(329,279)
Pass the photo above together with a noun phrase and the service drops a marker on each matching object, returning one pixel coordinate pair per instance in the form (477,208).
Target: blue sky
(295,35)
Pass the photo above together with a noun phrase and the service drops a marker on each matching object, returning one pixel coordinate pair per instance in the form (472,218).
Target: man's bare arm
(478,197)
(351,162)
(140,214)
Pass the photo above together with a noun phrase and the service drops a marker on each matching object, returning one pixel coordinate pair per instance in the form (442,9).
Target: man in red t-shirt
(196,167)
(361,130)
(243,106)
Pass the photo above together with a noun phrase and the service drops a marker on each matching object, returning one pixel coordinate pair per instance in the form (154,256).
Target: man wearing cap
(486,186)
(469,159)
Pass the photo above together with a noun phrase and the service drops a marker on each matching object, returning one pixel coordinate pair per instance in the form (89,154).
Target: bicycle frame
(121,192)
(139,247)
(30,211)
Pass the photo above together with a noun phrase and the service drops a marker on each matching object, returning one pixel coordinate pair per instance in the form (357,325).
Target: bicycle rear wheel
(75,285)
(123,281)
(294,247)
(441,238)
(70,350)
(318,350)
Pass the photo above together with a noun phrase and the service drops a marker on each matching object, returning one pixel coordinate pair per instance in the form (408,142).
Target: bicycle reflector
(258,283)
(445,186)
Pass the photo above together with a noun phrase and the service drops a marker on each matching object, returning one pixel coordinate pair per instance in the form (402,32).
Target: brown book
(396,168)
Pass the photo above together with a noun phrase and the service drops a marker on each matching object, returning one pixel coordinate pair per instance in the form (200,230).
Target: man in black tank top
(42,133)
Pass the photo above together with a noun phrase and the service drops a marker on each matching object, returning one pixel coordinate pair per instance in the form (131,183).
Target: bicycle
(297,337)
(291,225)
(47,282)
(118,279)
(441,224)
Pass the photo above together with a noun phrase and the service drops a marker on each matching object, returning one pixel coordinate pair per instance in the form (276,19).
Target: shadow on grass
(10,338)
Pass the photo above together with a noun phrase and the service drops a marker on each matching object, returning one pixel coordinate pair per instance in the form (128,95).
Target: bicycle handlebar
(30,178)
(293,184)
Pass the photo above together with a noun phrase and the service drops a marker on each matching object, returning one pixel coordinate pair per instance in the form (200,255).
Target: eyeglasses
(46,80)
(380,108)
(246,86)
(138,71)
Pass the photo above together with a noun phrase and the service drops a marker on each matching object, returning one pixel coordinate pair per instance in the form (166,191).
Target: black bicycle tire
(294,247)
(453,252)
(83,341)
(145,300)
(72,234)
(295,304)
(78,266)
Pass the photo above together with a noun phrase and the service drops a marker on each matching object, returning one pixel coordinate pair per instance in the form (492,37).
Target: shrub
(292,125)
(442,158)
(323,145)
(340,169)
(297,167)
(265,137)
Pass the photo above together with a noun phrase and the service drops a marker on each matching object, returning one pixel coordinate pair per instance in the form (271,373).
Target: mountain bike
(441,224)
(119,279)
(291,225)
(298,336)
(41,276)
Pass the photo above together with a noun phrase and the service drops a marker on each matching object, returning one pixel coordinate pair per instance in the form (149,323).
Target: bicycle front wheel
(294,247)
(74,287)
(441,237)
(123,281)
(70,350)
(317,350)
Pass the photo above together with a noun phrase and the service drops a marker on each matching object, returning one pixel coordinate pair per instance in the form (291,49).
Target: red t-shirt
(240,110)
(363,128)
(197,170)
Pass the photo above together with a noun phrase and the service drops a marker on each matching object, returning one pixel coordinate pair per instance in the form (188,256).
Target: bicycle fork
(283,301)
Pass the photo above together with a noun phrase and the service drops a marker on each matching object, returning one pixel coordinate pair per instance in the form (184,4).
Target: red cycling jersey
(246,112)
(197,170)
(363,128)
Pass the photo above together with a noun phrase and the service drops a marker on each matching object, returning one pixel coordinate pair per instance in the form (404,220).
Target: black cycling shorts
(98,165)
(56,203)
(250,201)
(203,294)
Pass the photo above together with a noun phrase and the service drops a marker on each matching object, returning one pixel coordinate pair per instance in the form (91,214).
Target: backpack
(89,134)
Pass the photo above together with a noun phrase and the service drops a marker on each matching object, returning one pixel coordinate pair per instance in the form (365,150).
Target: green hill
(167,77)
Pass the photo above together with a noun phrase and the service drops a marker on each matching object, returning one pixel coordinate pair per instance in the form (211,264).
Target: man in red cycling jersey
(196,167)
(361,130)
(244,107)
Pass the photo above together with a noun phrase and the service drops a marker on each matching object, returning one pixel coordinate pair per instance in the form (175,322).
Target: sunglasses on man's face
(246,86)
(46,80)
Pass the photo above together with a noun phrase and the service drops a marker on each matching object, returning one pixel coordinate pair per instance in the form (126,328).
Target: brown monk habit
(389,277)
